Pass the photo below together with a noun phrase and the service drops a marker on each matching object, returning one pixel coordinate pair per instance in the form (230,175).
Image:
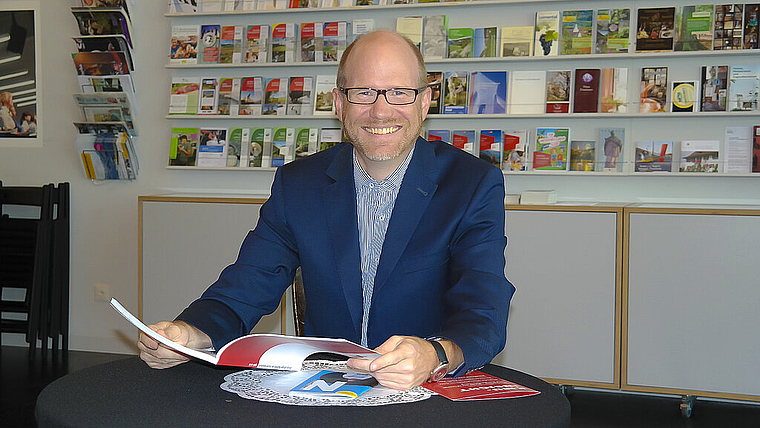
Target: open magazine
(268,351)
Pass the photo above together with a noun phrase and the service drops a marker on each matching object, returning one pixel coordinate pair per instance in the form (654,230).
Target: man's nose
(381,108)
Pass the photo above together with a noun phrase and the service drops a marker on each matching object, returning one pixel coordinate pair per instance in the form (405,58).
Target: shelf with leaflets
(607,56)
(250,117)
(649,175)
(447,4)
(664,115)
(682,66)
(223,168)
(254,65)
(499,60)
(511,174)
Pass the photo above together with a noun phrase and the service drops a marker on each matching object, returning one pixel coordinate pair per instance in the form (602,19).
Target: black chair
(25,261)
(59,290)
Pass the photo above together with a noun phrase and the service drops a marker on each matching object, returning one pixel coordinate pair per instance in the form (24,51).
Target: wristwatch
(443,367)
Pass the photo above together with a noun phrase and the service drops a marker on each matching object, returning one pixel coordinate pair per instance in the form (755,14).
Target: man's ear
(338,102)
(427,97)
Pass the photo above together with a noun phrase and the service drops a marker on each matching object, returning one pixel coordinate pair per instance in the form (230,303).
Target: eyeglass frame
(383,92)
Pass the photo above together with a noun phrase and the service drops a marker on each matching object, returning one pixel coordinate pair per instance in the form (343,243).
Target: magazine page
(277,352)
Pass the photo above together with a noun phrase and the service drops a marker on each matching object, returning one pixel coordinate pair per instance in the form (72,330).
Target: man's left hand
(406,361)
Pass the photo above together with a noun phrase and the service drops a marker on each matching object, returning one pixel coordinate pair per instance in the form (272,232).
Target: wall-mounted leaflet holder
(107,151)
(104,65)
(100,107)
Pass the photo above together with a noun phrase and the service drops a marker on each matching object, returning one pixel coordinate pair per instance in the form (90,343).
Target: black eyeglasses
(394,96)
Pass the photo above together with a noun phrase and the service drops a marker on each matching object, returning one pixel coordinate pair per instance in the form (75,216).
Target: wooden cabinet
(692,301)
(564,262)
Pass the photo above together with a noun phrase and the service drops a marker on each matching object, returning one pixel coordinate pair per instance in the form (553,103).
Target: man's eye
(398,93)
(364,93)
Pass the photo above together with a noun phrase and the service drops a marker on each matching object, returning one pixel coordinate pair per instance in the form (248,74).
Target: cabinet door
(693,303)
(185,246)
(562,320)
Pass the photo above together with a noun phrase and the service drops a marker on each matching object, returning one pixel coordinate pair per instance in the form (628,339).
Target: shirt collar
(362,178)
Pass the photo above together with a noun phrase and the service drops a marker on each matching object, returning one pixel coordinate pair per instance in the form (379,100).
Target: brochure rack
(640,126)
(106,133)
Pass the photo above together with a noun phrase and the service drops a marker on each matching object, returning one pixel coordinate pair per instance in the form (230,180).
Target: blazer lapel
(340,203)
(417,189)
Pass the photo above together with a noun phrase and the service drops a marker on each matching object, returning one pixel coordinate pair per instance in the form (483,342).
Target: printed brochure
(267,351)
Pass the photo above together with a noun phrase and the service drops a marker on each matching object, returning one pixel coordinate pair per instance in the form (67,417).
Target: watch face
(439,373)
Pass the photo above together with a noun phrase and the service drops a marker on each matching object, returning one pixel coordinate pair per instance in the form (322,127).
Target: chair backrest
(13,229)
(60,261)
(299,303)
(28,196)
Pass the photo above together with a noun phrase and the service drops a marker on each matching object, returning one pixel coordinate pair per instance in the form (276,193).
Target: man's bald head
(381,38)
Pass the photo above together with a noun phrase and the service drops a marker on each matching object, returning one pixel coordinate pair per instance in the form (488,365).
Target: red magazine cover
(477,385)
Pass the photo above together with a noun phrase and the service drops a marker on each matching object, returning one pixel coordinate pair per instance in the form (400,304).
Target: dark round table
(127,393)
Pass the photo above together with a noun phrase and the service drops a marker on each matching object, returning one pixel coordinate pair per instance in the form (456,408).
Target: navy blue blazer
(441,271)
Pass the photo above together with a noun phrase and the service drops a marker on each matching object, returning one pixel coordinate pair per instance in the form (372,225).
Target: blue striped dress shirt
(374,205)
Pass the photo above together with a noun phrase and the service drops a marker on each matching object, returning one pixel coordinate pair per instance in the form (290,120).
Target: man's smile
(381,131)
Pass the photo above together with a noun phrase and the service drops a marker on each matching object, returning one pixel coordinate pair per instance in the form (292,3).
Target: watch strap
(440,351)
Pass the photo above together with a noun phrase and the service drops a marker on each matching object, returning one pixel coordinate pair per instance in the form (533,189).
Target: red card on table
(477,385)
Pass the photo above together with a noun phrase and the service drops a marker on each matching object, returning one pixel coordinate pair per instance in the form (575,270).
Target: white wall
(104,215)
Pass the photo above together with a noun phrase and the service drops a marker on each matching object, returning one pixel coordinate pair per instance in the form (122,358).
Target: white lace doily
(274,385)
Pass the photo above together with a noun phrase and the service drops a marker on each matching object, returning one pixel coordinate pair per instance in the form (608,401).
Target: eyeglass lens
(392,96)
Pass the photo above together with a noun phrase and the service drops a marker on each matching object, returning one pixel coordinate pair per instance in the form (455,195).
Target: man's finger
(174,333)
(147,341)
(387,360)
(389,345)
(359,364)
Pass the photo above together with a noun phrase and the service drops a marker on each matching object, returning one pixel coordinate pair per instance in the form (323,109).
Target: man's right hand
(158,356)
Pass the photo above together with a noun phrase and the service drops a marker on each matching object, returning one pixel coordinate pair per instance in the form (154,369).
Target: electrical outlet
(102,293)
